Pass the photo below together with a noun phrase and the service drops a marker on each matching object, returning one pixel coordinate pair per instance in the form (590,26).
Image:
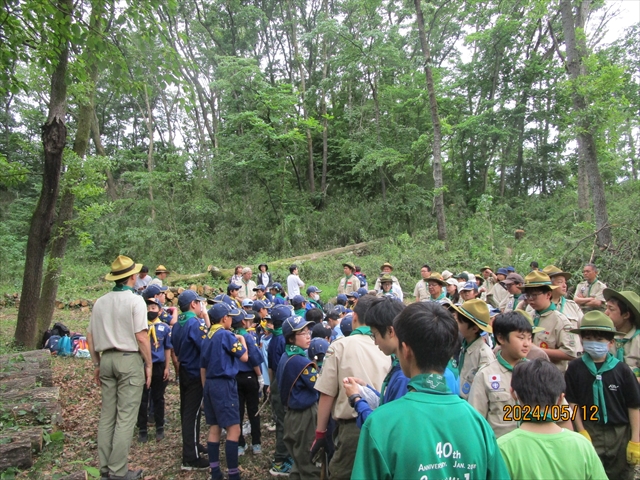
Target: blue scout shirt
(165,316)
(160,339)
(255,356)
(187,336)
(221,351)
(276,349)
(296,377)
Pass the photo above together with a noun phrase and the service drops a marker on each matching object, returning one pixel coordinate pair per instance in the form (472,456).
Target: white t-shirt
(293,285)
(142,282)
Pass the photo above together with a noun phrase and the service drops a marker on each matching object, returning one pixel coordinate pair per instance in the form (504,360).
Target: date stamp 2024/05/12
(555,413)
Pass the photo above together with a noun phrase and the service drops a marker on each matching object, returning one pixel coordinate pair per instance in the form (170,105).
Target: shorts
(221,405)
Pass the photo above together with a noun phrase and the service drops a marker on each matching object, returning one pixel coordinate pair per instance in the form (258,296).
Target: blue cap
(260,287)
(280,313)
(247,302)
(470,286)
(152,291)
(153,301)
(218,311)
(237,316)
(313,289)
(260,304)
(346,325)
(341,299)
(248,315)
(297,300)
(341,309)
(502,271)
(353,294)
(511,269)
(233,286)
(362,291)
(222,298)
(276,286)
(188,296)
(294,324)
(318,346)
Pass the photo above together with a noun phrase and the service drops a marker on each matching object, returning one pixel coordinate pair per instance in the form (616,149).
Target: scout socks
(231,451)
(213,449)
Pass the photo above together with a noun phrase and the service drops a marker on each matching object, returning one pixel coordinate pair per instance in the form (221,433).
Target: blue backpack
(64,346)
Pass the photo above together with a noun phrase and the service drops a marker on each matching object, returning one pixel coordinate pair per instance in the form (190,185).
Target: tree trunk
(95,135)
(632,152)
(149,122)
(576,51)
(438,198)
(323,106)
(54,137)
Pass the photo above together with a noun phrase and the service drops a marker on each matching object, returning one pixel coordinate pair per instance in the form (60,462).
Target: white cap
(446,275)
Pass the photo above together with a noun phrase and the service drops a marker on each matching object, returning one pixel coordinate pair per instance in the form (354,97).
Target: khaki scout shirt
(557,335)
(489,394)
(395,281)
(350,285)
(246,290)
(631,350)
(594,290)
(421,292)
(116,317)
(497,295)
(477,355)
(571,310)
(352,356)
(509,304)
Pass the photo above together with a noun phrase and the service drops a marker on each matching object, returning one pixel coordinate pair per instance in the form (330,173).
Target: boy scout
(348,283)
(386,269)
(161,275)
(421,292)
(564,305)
(498,293)
(623,308)
(589,294)
(473,318)
(387,287)
(559,343)
(490,391)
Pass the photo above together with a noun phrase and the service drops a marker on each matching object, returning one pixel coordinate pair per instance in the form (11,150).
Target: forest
(220,132)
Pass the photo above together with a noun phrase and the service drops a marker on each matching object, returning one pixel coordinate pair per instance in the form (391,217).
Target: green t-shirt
(557,456)
(426,435)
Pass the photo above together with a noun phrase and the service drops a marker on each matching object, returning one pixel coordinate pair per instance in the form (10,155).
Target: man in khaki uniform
(437,288)
(386,269)
(497,294)
(349,283)
(515,284)
(161,274)
(623,308)
(564,305)
(589,294)
(559,343)
(352,356)
(121,353)
(421,292)
(247,285)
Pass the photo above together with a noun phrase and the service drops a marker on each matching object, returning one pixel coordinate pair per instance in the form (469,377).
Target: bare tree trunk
(323,106)
(576,51)
(149,122)
(54,137)
(583,186)
(438,199)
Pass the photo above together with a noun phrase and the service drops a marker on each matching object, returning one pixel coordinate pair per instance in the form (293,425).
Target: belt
(342,421)
(115,350)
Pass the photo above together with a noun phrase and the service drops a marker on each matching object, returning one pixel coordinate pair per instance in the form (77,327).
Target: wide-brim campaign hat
(629,298)
(485,268)
(554,271)
(477,311)
(529,318)
(161,269)
(597,321)
(122,267)
(538,279)
(386,264)
(436,277)
(386,278)
(351,265)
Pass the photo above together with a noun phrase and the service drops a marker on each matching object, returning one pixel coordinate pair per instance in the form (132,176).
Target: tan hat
(386,264)
(386,278)
(477,311)
(161,269)
(351,265)
(538,279)
(485,268)
(629,298)
(123,267)
(436,277)
(597,321)
(553,271)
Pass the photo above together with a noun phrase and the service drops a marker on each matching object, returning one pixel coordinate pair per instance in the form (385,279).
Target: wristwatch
(353,398)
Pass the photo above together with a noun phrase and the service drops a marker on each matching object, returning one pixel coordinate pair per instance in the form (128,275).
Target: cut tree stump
(16,454)
(33,434)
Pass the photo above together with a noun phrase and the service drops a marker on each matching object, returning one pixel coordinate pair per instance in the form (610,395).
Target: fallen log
(43,394)
(44,376)
(22,383)
(48,412)
(33,434)
(75,476)
(41,357)
(16,454)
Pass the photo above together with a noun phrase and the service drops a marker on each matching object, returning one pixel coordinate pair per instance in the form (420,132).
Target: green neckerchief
(295,350)
(385,383)
(620,343)
(591,285)
(276,331)
(362,331)
(122,288)
(183,317)
(214,328)
(441,297)
(314,302)
(539,313)
(347,277)
(516,299)
(429,383)
(280,295)
(300,312)
(241,331)
(465,347)
(504,363)
(246,288)
(598,388)
(561,304)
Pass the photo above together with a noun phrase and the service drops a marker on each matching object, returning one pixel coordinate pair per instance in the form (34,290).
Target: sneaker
(241,450)
(202,451)
(142,436)
(159,434)
(280,469)
(257,449)
(130,475)
(198,464)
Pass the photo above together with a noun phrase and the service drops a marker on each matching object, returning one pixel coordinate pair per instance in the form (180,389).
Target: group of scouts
(493,375)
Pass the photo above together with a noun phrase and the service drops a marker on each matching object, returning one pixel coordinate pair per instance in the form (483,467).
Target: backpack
(60,329)
(52,343)
(363,279)
(64,346)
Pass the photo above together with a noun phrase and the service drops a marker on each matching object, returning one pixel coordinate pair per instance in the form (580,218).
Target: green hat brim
(611,293)
(596,329)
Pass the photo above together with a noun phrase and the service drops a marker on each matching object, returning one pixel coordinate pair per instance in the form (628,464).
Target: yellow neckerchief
(153,334)
(214,328)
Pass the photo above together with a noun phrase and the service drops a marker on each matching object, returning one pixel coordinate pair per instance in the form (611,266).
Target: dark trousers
(190,405)
(281,453)
(155,393)
(249,394)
